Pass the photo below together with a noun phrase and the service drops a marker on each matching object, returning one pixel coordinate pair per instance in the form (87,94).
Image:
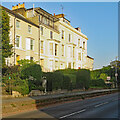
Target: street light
(116,74)
(114,65)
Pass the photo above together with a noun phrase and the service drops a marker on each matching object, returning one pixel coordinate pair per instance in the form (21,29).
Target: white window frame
(19,40)
(64,50)
(29,26)
(30,44)
(18,21)
(42,30)
(84,43)
(51,37)
(57,49)
(53,48)
(62,35)
(43,46)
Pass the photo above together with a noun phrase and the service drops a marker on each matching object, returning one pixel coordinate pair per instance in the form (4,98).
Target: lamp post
(114,65)
(116,74)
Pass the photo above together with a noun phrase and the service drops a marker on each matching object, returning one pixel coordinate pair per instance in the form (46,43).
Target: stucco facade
(48,39)
(90,62)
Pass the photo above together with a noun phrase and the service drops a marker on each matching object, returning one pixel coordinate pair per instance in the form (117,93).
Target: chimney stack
(18,6)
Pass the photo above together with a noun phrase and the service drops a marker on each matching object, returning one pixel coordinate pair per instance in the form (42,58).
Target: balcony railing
(53,26)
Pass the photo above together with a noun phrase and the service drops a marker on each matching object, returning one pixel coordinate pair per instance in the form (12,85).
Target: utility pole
(39,41)
(116,74)
(62,8)
(14,39)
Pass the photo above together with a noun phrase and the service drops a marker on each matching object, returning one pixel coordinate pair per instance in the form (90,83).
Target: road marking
(101,104)
(72,114)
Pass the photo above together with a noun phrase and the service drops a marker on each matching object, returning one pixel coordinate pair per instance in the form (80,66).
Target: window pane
(42,47)
(69,37)
(56,65)
(56,49)
(51,48)
(42,62)
(79,56)
(17,24)
(17,59)
(51,35)
(83,45)
(29,28)
(62,34)
(31,58)
(78,42)
(62,50)
(31,44)
(17,41)
(41,30)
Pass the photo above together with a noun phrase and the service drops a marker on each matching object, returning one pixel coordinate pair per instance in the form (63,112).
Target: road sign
(108,78)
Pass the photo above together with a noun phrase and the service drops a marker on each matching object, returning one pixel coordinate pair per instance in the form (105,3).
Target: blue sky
(97,20)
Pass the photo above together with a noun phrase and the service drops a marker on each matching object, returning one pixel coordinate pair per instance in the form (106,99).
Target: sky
(97,20)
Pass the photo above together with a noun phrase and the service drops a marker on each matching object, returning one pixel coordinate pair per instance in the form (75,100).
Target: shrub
(57,81)
(97,83)
(66,82)
(49,77)
(54,80)
(72,75)
(31,69)
(22,87)
(82,79)
(32,72)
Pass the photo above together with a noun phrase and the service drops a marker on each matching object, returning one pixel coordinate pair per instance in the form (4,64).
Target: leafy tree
(33,72)
(95,74)
(6,47)
(103,76)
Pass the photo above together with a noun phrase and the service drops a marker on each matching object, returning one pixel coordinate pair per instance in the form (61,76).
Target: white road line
(72,114)
(101,104)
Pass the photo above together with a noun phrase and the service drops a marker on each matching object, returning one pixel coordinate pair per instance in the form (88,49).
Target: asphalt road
(47,96)
(98,107)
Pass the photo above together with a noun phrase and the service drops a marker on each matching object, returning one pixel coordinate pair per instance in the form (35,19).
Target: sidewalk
(11,106)
(7,100)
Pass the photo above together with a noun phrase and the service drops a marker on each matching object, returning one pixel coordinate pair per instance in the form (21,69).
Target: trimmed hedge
(97,83)
(56,80)
(82,79)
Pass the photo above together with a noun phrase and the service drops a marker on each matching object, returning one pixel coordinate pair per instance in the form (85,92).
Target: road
(98,107)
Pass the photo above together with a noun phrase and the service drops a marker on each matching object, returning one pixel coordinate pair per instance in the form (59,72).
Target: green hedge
(66,84)
(82,79)
(56,80)
(97,83)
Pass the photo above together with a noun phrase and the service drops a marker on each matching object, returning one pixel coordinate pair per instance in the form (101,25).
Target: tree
(103,76)
(32,72)
(6,47)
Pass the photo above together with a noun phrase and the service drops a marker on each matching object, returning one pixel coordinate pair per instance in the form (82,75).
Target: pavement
(98,107)
(9,100)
